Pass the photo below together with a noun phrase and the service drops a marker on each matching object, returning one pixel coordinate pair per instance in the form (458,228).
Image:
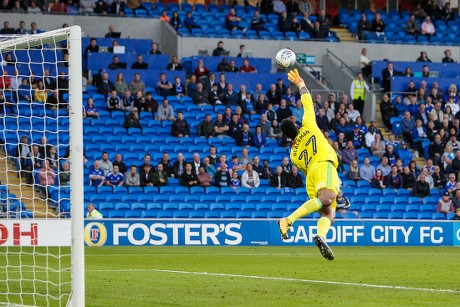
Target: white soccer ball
(285,58)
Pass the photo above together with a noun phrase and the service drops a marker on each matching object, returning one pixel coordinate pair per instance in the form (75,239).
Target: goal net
(41,169)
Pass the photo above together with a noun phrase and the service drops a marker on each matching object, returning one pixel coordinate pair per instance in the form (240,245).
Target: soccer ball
(285,58)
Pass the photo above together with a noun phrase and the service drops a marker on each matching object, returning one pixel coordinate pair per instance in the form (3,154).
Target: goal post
(41,169)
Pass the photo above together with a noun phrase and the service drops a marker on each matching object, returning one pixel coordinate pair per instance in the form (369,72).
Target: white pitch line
(339,283)
(252,254)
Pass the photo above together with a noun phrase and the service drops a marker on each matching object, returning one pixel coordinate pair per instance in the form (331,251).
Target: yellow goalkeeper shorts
(322,175)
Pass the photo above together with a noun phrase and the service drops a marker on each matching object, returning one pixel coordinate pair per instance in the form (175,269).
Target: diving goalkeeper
(313,155)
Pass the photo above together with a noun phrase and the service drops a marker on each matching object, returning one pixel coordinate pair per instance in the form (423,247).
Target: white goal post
(41,223)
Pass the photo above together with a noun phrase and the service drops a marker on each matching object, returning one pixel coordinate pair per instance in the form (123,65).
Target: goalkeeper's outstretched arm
(309,116)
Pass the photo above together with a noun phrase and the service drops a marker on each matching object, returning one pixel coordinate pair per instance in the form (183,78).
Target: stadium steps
(421,162)
(25,193)
(344,35)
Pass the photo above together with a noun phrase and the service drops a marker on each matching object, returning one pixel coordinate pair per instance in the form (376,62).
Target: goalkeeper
(313,155)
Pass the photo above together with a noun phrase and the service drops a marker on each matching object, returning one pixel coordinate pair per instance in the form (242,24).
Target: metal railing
(342,63)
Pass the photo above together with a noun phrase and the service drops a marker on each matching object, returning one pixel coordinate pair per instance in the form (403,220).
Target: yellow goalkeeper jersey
(310,145)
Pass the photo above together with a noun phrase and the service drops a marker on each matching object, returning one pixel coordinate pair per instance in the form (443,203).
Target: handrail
(342,63)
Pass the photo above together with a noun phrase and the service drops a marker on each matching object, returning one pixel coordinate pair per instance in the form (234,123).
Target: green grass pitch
(261,276)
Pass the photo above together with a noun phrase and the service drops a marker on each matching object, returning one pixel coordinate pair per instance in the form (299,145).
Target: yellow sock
(323,226)
(308,207)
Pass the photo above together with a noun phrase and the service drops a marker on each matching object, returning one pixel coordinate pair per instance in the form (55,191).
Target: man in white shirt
(365,63)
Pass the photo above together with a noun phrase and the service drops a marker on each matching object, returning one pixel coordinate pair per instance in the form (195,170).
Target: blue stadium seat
(438,216)
(412,208)
(164,214)
(176,199)
(258,191)
(274,215)
(149,214)
(228,215)
(132,214)
(217,207)
(430,201)
(212,191)
(373,200)
(244,215)
(170,206)
(263,207)
(424,216)
(154,207)
(387,200)
(232,207)
(106,206)
(273,191)
(180,190)
(138,207)
(243,191)
(414,201)
(349,215)
(361,192)
(382,208)
(395,215)
(388,192)
(197,191)
(114,214)
(180,215)
(259,215)
(196,214)
(380,215)
(426,208)
(166,190)
(140,198)
(104,190)
(349,183)
(120,190)
(200,207)
(403,192)
(368,208)
(248,207)
(212,215)
(122,206)
(374,192)
(279,207)
(186,207)
(451,215)
(398,208)
(135,190)
(410,216)
(227,191)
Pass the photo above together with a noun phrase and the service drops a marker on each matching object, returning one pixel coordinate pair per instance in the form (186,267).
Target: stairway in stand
(344,35)
(421,162)
(24,192)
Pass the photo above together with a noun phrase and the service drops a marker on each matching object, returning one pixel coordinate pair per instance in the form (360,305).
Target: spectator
(394,179)
(189,177)
(428,27)
(113,101)
(175,21)
(219,51)
(244,159)
(174,65)
(132,119)
(272,95)
(450,185)
(222,177)
(190,22)
(286,165)
(114,178)
(407,127)
(179,166)
(257,23)
(201,70)
(205,128)
(33,8)
(250,178)
(423,56)
(180,127)
(178,88)
(268,171)
(405,154)
(230,97)
(92,48)
(235,182)
(121,165)
(146,176)
(209,168)
(160,176)
(132,177)
(391,155)
(439,180)
(378,181)
(445,204)
(408,178)
(232,21)
(378,26)
(278,180)
(137,84)
(260,140)
(455,165)
(364,27)
(139,64)
(384,167)
(353,172)
(64,174)
(204,179)
(343,204)
(164,87)
(387,76)
(93,213)
(412,26)
(365,63)
(447,158)
(436,149)
(165,112)
(448,57)
(367,171)
(96,174)
(357,136)
(357,91)
(245,137)
(349,153)
(105,163)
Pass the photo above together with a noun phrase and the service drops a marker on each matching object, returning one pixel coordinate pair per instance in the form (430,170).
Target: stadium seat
(258,215)
(132,214)
(361,192)
(380,215)
(263,207)
(228,215)
(170,206)
(412,208)
(424,216)
(388,192)
(387,200)
(279,207)
(166,190)
(217,207)
(244,214)
(382,208)
(349,215)
(398,208)
(197,191)
(451,215)
(180,215)
(106,206)
(395,215)
(227,191)
(114,214)
(403,192)
(200,207)
(154,207)
(180,191)
(212,215)
(274,215)
(349,183)
(176,198)
(232,207)
(122,207)
(374,192)
(243,191)
(426,208)
(138,207)
(367,208)
(410,216)
(373,200)
(258,191)
(212,191)
(149,214)
(135,190)
(164,214)
(248,207)
(438,216)
(196,214)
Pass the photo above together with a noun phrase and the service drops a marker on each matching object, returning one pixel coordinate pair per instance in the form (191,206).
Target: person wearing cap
(234,165)
(405,154)
(421,187)
(357,136)
(445,204)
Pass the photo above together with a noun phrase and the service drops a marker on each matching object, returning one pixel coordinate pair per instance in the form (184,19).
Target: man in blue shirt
(114,178)
(96,175)
(405,154)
